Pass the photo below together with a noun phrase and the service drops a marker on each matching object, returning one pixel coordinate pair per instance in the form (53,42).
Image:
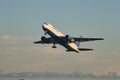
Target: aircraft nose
(44,26)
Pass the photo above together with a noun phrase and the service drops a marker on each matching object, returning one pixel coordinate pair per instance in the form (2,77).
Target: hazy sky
(20,25)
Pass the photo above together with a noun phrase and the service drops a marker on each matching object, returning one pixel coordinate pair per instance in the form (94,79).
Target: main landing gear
(54,46)
(53,41)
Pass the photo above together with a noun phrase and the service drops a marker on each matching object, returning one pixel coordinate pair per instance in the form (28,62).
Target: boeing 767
(56,37)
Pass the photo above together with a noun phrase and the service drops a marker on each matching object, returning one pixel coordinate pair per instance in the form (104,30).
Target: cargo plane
(56,37)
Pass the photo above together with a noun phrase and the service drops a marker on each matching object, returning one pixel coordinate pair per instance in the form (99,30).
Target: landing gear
(45,33)
(54,46)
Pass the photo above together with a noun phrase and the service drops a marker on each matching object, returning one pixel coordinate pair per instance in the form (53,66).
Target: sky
(20,25)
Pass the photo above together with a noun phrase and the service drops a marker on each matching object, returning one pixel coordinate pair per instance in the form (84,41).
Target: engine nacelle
(43,38)
(46,40)
(69,39)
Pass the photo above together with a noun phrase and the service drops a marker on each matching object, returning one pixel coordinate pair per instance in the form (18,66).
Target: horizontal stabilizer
(85,49)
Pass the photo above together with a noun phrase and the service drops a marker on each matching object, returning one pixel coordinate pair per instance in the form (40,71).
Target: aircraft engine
(69,39)
(43,38)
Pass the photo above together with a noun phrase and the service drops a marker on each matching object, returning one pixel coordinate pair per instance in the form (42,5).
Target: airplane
(56,37)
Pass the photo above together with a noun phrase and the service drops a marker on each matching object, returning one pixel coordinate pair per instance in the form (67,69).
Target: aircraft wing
(86,39)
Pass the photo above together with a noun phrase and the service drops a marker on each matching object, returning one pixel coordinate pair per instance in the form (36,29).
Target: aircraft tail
(82,49)
(77,43)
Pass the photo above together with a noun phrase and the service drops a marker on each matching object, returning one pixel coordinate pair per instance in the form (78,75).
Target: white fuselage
(52,31)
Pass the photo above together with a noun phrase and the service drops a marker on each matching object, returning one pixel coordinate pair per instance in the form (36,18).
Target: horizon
(76,74)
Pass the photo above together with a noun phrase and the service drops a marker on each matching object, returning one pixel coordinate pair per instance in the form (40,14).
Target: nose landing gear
(45,33)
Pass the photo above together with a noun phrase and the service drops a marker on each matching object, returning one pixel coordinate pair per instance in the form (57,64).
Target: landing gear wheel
(45,33)
(54,47)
